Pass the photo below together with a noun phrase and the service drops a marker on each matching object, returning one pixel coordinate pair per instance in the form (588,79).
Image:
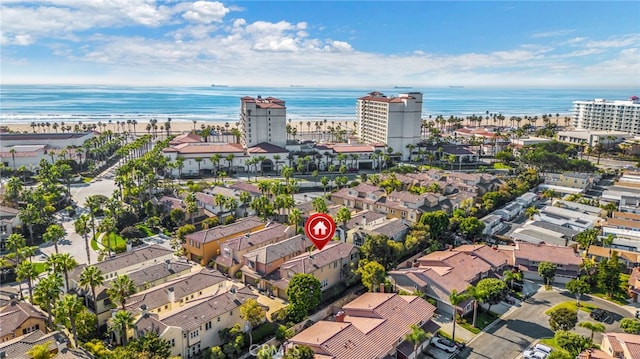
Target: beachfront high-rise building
(394,121)
(604,115)
(263,120)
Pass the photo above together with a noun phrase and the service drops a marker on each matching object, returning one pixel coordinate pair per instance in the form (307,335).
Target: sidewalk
(446,324)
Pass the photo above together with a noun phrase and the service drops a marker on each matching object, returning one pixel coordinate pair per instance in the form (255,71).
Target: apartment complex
(601,114)
(262,120)
(394,121)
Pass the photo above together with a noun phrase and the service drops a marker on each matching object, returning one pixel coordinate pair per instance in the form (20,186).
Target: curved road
(512,334)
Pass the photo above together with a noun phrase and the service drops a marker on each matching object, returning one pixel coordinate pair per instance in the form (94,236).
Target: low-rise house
(332,265)
(527,257)
(535,234)
(203,246)
(579,207)
(576,220)
(9,221)
(437,274)
(363,196)
(178,292)
(510,211)
(634,284)
(358,222)
(623,225)
(58,345)
(194,328)
(527,199)
(629,204)
(232,252)
(614,346)
(168,204)
(569,182)
(263,261)
(493,224)
(20,318)
(372,326)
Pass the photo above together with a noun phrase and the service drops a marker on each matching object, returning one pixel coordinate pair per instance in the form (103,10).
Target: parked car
(532,354)
(444,344)
(601,315)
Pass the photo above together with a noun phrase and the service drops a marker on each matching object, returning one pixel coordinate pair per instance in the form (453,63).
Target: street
(512,334)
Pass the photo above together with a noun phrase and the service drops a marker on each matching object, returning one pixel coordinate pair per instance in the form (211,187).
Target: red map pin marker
(320,228)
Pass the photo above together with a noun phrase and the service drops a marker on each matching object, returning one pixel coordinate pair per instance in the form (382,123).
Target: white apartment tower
(262,120)
(604,115)
(394,121)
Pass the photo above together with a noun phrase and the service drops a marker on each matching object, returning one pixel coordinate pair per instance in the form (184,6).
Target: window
(335,264)
(324,284)
(207,326)
(231,313)
(173,342)
(218,319)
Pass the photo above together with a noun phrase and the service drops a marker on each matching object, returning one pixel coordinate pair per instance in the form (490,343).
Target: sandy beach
(186,126)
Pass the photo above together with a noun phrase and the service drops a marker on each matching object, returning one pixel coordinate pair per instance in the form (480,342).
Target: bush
(131,232)
(279,315)
(264,331)
(283,333)
(238,275)
(229,220)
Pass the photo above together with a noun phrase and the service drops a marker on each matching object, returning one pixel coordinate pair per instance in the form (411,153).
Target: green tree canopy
(572,342)
(438,222)
(578,287)
(304,293)
(372,274)
(563,319)
(630,325)
(471,227)
(547,271)
(490,291)
(150,346)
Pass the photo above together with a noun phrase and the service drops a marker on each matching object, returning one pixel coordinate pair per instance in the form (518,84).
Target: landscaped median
(572,305)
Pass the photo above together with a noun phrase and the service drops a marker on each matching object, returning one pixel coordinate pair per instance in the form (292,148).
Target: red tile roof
(547,253)
(206,147)
(265,147)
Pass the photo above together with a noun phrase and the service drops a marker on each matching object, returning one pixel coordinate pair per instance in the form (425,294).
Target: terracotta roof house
(20,318)
(193,328)
(372,326)
(263,261)
(232,251)
(58,346)
(527,256)
(331,266)
(634,284)
(9,220)
(204,245)
(615,345)
(437,274)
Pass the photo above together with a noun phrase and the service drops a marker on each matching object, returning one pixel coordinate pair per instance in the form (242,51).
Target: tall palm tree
(294,218)
(245,199)
(91,277)
(121,288)
(47,292)
(455,299)
(54,233)
(14,244)
(122,321)
(593,327)
(68,309)
(473,293)
(27,270)
(82,227)
(64,263)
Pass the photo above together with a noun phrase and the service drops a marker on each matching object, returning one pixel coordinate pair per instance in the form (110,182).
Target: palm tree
(455,299)
(14,244)
(511,276)
(229,158)
(121,288)
(64,263)
(47,292)
(593,327)
(13,188)
(294,218)
(68,309)
(344,216)
(54,233)
(27,270)
(473,294)
(122,320)
(81,225)
(91,277)
(416,337)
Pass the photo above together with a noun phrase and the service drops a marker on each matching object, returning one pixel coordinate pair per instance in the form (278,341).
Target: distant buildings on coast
(603,115)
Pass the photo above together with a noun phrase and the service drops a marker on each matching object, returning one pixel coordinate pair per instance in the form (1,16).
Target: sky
(321,43)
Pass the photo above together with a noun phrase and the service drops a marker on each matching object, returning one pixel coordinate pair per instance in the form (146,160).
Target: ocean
(40,103)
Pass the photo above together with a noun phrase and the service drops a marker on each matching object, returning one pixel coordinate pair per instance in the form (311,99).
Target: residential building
(603,115)
(9,221)
(332,265)
(588,138)
(634,284)
(232,251)
(262,120)
(27,149)
(580,207)
(20,318)
(394,121)
(527,199)
(263,261)
(614,346)
(623,225)
(569,182)
(439,273)
(372,326)
(527,256)
(58,345)
(194,328)
(493,224)
(204,245)
(196,157)
(576,220)
(510,211)
(178,292)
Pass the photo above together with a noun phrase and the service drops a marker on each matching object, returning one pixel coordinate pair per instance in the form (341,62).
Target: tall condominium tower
(604,115)
(394,121)
(262,120)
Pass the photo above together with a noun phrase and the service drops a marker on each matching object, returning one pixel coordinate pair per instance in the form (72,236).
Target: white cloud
(552,33)
(206,12)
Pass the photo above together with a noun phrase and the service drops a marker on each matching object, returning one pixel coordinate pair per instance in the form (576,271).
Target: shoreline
(182,126)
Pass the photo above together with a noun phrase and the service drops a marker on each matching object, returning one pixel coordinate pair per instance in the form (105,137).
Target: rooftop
(212,234)
(16,313)
(137,256)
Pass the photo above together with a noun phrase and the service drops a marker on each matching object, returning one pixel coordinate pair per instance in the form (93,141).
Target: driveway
(512,334)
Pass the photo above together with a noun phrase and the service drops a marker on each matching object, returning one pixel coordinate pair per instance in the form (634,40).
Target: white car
(444,344)
(532,354)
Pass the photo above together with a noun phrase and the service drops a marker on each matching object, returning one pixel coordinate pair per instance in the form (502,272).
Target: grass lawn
(445,335)
(115,242)
(41,267)
(470,327)
(501,166)
(94,245)
(572,305)
(144,229)
(483,319)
